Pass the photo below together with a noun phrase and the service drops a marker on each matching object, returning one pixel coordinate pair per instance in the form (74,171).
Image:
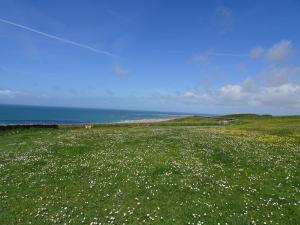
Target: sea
(20,114)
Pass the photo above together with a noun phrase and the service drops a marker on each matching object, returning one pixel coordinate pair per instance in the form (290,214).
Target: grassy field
(187,171)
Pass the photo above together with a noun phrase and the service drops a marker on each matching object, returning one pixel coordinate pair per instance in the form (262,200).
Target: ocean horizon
(26,114)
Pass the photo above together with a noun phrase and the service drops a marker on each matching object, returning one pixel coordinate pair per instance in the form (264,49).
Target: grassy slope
(178,172)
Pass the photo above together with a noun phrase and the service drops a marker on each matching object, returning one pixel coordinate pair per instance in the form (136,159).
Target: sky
(165,55)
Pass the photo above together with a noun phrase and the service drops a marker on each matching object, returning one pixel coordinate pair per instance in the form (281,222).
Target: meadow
(194,170)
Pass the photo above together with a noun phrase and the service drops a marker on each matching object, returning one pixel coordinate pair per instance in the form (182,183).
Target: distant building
(226,121)
(87,126)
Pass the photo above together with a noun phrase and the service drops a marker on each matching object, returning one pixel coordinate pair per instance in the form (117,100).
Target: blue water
(16,114)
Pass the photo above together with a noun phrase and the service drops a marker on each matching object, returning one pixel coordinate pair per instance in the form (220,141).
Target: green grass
(186,171)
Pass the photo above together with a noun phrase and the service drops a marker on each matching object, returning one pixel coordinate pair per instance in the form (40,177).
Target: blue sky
(186,56)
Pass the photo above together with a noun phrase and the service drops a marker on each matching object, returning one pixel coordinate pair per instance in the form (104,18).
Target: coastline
(16,115)
(78,125)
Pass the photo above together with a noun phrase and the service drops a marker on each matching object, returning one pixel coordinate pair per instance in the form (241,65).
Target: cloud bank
(275,87)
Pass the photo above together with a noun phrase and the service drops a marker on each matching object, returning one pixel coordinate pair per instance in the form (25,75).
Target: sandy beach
(147,120)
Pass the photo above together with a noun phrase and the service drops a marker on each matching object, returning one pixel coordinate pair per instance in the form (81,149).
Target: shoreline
(57,125)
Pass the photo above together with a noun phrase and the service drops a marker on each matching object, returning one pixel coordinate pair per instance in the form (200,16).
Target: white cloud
(208,55)
(283,90)
(274,75)
(10,93)
(224,12)
(278,52)
(202,57)
(274,87)
(230,92)
(193,97)
(118,70)
(285,95)
(189,94)
(224,19)
(256,52)
(249,85)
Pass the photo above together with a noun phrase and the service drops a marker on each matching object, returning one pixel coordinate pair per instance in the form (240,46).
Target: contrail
(56,38)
